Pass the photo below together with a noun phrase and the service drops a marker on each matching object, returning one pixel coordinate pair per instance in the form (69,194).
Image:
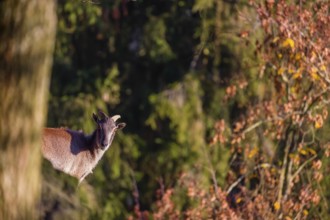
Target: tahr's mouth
(103,147)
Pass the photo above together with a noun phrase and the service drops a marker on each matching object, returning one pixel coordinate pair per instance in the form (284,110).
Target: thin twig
(234,184)
(211,169)
(302,166)
(136,194)
(284,166)
(255,125)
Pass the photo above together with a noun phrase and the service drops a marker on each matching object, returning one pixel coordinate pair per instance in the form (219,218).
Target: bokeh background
(190,78)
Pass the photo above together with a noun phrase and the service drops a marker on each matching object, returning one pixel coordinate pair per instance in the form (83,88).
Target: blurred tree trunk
(27,39)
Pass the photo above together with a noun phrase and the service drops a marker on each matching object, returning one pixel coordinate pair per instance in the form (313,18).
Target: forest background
(226,105)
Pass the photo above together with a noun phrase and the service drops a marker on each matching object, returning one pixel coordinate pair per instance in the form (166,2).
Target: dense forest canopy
(226,105)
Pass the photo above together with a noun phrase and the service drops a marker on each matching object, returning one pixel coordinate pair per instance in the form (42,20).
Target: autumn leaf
(312,151)
(253,152)
(314,74)
(318,125)
(318,121)
(275,39)
(297,57)
(288,43)
(297,75)
(280,71)
(323,68)
(303,151)
(305,212)
(277,206)
(238,200)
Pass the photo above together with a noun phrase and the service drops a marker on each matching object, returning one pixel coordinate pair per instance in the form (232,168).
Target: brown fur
(73,152)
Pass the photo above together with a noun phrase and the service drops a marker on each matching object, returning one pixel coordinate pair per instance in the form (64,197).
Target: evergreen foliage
(191,79)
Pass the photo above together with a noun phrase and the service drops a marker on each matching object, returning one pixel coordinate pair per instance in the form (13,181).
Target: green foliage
(176,119)
(183,75)
(201,5)
(154,43)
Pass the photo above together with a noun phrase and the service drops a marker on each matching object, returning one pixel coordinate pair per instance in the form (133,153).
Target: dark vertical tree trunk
(27,36)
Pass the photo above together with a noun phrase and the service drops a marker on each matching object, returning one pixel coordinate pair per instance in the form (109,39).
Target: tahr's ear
(96,119)
(121,126)
(102,114)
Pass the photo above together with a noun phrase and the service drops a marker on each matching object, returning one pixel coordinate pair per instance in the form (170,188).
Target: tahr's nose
(105,144)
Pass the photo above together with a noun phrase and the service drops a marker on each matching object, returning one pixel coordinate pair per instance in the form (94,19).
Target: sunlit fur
(76,153)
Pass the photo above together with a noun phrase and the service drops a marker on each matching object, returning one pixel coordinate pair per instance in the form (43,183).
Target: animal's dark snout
(104,144)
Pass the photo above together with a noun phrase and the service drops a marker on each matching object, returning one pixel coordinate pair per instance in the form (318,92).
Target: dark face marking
(106,129)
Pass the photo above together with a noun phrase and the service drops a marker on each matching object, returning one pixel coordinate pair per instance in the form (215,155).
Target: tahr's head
(106,129)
